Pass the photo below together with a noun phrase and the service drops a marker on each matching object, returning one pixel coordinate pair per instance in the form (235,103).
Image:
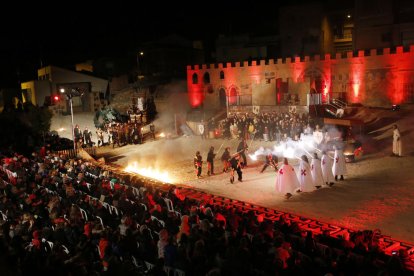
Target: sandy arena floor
(377,193)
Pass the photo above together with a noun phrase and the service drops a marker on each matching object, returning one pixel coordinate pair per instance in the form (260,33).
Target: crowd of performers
(312,175)
(317,169)
(117,134)
(232,163)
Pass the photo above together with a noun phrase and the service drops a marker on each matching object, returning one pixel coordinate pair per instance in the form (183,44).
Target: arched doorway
(233,96)
(223,98)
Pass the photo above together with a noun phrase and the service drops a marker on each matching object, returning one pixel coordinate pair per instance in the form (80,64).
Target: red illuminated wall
(368,78)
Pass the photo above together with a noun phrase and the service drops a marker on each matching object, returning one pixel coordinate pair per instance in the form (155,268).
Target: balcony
(343,38)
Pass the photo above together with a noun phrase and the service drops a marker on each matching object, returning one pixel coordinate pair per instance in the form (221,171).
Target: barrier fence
(71,153)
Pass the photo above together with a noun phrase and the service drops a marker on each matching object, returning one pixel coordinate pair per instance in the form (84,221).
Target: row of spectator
(70,216)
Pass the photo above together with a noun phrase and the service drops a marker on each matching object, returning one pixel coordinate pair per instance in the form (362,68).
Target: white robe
(396,142)
(339,167)
(316,172)
(326,163)
(318,137)
(305,177)
(286,180)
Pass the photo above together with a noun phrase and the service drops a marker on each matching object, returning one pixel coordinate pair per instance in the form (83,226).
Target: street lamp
(69,95)
(140,55)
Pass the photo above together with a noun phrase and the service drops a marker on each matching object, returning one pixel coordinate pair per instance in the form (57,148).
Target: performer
(198,162)
(326,164)
(236,165)
(270,160)
(317,136)
(396,142)
(286,180)
(305,176)
(225,157)
(241,148)
(210,161)
(78,134)
(339,167)
(201,129)
(87,137)
(100,135)
(316,171)
(152,130)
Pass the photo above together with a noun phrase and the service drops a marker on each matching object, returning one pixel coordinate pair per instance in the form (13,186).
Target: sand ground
(377,193)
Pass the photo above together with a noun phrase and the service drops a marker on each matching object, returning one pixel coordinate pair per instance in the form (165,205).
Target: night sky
(73,31)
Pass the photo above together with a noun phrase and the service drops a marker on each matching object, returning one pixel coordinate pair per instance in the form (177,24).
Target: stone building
(52,79)
(373,78)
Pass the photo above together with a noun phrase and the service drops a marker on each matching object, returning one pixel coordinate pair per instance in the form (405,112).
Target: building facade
(372,78)
(52,79)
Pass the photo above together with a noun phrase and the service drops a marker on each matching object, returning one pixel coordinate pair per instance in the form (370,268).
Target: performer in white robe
(286,180)
(317,136)
(396,142)
(305,175)
(316,171)
(339,167)
(326,164)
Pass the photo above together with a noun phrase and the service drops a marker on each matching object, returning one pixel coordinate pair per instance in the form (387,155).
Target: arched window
(221,75)
(195,78)
(206,78)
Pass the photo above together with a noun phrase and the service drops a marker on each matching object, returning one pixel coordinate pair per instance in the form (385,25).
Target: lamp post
(69,96)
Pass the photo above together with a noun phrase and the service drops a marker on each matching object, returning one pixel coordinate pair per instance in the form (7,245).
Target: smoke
(171,101)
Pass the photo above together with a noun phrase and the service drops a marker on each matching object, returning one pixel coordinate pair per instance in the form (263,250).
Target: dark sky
(72,31)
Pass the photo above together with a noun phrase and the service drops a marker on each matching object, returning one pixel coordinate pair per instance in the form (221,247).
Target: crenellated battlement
(399,50)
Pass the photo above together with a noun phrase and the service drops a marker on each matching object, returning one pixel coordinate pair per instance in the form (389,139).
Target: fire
(162,134)
(149,172)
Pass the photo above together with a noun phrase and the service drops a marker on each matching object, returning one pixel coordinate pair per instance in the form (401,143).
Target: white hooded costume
(396,142)
(339,167)
(305,177)
(326,164)
(286,180)
(316,171)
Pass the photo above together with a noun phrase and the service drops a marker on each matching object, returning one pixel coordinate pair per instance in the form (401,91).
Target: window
(206,78)
(221,75)
(195,78)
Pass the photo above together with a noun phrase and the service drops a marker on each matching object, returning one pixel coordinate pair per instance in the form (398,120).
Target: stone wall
(373,78)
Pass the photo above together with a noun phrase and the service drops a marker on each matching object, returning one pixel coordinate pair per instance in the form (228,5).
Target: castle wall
(370,78)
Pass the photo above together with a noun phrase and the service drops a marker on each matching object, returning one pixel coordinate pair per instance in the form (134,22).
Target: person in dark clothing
(152,130)
(210,161)
(225,157)
(198,162)
(270,160)
(241,148)
(236,165)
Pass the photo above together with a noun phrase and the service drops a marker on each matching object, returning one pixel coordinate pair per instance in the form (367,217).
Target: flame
(162,134)
(61,129)
(149,172)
